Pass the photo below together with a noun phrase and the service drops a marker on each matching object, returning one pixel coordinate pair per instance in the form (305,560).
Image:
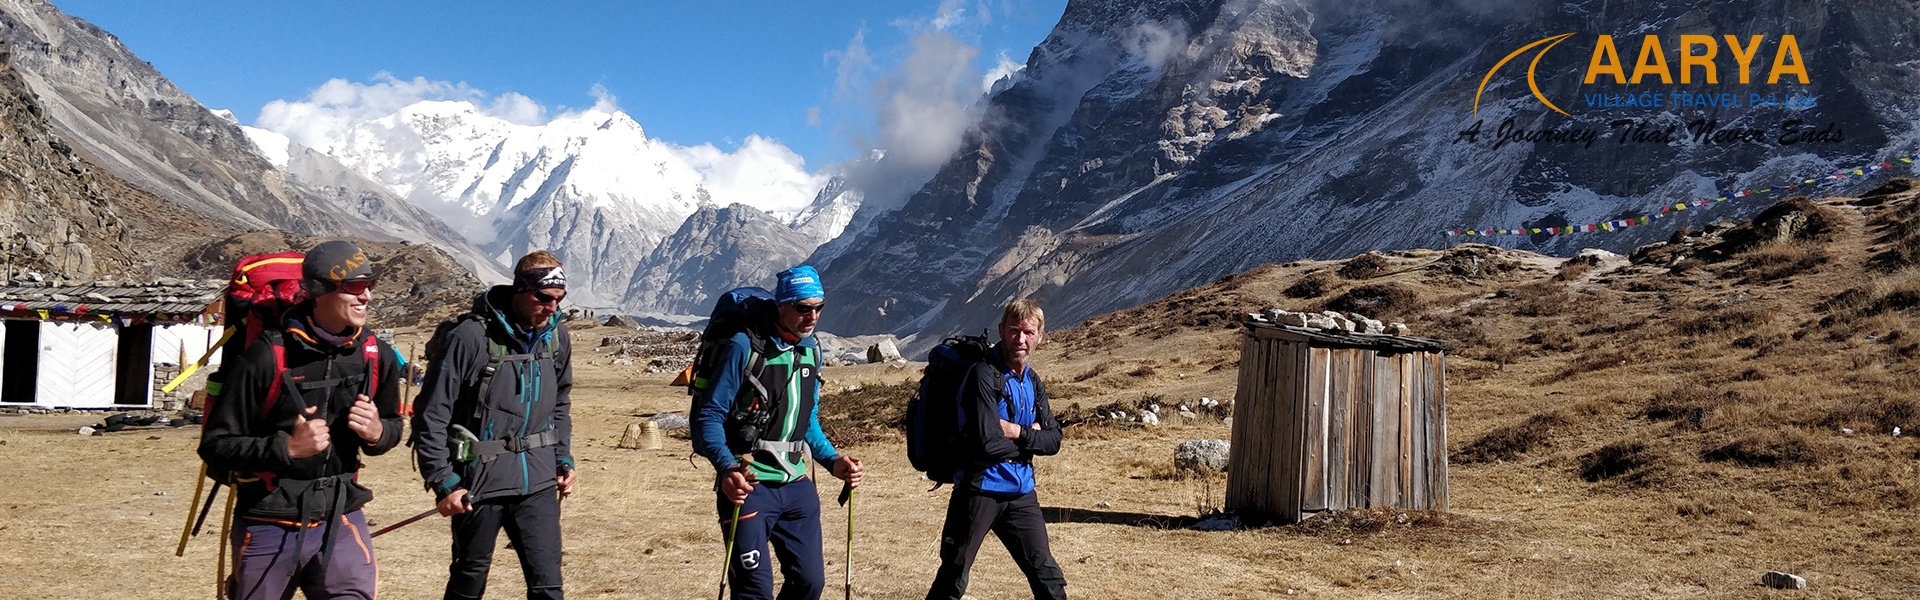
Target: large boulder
(1201,456)
(884,351)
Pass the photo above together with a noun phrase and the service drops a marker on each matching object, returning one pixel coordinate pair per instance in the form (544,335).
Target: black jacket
(522,398)
(991,462)
(238,437)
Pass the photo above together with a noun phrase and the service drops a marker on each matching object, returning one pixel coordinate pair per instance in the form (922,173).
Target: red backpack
(263,288)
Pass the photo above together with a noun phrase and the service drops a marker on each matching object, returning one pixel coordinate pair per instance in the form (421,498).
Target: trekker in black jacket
(298,457)
(1004,422)
(503,376)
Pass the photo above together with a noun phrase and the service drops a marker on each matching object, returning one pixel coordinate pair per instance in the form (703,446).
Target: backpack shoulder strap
(279,372)
(371,350)
(757,346)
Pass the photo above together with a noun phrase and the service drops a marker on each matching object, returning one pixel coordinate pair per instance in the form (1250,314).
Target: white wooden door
(76,365)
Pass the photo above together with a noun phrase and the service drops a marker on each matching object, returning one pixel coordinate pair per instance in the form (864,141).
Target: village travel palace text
(1698,63)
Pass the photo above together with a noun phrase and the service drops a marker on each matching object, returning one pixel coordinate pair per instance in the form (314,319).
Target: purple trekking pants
(264,554)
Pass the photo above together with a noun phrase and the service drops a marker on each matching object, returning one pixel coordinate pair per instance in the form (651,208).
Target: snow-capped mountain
(714,250)
(588,185)
(1151,147)
(119,112)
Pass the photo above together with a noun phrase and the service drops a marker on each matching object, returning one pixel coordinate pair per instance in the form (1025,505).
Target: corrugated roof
(165,296)
(1344,339)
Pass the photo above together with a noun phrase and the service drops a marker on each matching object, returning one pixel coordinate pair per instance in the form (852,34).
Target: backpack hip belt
(486,450)
(796,446)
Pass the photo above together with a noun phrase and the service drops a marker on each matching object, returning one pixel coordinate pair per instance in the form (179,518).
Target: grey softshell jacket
(523,398)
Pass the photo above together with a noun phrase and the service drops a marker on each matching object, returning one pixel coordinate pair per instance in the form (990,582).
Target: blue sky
(801,73)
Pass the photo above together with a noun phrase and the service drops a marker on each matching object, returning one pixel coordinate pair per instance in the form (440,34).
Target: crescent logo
(1531,84)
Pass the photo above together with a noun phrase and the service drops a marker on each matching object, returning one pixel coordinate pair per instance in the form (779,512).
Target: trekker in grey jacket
(499,382)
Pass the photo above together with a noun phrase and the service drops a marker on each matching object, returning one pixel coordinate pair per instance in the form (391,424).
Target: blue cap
(798,283)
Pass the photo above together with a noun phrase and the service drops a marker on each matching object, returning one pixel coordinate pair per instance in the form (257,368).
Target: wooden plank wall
(1241,454)
(1320,429)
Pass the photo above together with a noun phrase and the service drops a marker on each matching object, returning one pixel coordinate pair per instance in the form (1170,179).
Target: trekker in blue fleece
(494,427)
(1004,422)
(758,423)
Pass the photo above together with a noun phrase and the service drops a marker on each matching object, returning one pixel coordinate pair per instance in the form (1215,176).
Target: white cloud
(338,104)
(950,13)
(1006,66)
(604,100)
(1155,44)
(813,116)
(516,108)
(924,103)
(854,65)
(761,173)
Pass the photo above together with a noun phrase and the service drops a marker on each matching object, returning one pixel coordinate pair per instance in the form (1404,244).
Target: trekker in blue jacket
(762,466)
(1004,422)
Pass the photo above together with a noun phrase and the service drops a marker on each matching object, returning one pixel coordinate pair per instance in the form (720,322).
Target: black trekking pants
(533,525)
(1018,523)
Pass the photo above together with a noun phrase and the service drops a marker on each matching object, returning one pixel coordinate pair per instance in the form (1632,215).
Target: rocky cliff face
(55,217)
(117,111)
(1151,148)
(715,250)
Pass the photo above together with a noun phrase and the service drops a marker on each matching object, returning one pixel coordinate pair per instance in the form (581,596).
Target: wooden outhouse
(97,345)
(1330,420)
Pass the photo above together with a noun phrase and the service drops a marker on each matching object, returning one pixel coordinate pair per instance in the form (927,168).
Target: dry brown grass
(1688,463)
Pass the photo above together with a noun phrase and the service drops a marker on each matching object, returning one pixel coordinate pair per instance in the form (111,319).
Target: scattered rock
(89,430)
(623,362)
(1218,523)
(1103,504)
(671,421)
(631,439)
(1201,456)
(1783,581)
(618,321)
(1149,419)
(644,435)
(885,351)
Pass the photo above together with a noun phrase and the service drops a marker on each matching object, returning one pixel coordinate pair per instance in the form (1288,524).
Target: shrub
(1772,448)
(1365,266)
(1380,301)
(1630,461)
(1505,443)
(1311,286)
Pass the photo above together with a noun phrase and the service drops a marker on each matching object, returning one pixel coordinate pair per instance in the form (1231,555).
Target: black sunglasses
(808,308)
(544,298)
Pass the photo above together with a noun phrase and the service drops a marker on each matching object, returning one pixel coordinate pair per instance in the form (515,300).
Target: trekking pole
(465,500)
(220,573)
(408,521)
(727,565)
(181,550)
(206,508)
(846,499)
